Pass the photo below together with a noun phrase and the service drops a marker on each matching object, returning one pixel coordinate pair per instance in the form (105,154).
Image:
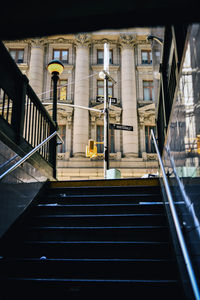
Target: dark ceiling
(20,19)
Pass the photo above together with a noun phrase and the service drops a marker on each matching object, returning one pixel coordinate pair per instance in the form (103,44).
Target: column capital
(38,43)
(127,41)
(82,40)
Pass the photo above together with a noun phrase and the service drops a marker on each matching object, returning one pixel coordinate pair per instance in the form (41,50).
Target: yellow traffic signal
(91,149)
(91,145)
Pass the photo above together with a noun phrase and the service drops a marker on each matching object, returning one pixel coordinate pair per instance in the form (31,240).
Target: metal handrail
(181,239)
(28,155)
(8,161)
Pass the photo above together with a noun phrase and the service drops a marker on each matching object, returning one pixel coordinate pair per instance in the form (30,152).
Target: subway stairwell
(92,239)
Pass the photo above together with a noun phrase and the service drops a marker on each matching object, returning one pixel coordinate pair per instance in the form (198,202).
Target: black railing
(24,122)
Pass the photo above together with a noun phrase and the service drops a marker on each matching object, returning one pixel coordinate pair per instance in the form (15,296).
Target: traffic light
(91,149)
(91,145)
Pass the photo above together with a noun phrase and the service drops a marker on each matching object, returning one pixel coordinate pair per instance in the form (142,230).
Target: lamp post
(55,68)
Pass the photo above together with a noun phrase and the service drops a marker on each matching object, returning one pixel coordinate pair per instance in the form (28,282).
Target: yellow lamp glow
(55,66)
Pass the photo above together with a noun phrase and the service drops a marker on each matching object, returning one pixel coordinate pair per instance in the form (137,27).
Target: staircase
(92,239)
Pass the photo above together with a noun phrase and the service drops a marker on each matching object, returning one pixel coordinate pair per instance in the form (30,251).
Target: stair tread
(95,215)
(46,259)
(98,242)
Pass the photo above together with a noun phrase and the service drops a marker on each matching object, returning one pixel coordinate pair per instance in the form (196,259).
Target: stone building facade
(82,55)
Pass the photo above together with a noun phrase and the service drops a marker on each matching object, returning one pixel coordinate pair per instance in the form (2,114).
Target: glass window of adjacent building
(148,140)
(100,88)
(17,55)
(146,57)
(100,138)
(148,90)
(62,131)
(62,55)
(100,57)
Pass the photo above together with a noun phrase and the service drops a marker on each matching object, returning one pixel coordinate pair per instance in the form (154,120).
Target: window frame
(110,88)
(100,147)
(149,57)
(62,131)
(149,145)
(110,56)
(150,89)
(59,89)
(17,50)
(61,56)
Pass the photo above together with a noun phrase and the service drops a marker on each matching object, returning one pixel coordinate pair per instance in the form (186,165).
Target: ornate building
(82,55)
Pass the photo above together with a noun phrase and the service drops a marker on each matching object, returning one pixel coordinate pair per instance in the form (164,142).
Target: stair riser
(104,190)
(136,209)
(92,250)
(99,221)
(118,198)
(136,234)
(151,270)
(111,290)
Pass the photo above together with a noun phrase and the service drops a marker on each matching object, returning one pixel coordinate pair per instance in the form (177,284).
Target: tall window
(148,140)
(61,89)
(148,90)
(100,57)
(146,57)
(100,88)
(17,55)
(62,131)
(100,138)
(62,55)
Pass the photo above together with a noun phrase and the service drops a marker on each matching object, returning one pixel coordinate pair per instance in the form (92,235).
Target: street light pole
(55,82)
(55,68)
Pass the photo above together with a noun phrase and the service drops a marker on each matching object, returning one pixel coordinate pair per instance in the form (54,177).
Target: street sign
(121,127)
(113,100)
(100,99)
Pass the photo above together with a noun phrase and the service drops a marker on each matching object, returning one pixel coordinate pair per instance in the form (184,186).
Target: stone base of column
(131,154)
(79,154)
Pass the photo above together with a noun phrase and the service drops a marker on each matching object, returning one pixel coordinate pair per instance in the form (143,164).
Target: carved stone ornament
(127,40)
(82,40)
(38,43)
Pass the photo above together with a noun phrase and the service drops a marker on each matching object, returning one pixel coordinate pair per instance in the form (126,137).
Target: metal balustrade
(24,122)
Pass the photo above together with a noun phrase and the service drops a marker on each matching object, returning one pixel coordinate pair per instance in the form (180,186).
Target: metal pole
(106,111)
(54,148)
(106,128)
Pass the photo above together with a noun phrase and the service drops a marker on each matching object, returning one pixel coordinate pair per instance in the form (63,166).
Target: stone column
(81,95)
(36,68)
(129,100)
